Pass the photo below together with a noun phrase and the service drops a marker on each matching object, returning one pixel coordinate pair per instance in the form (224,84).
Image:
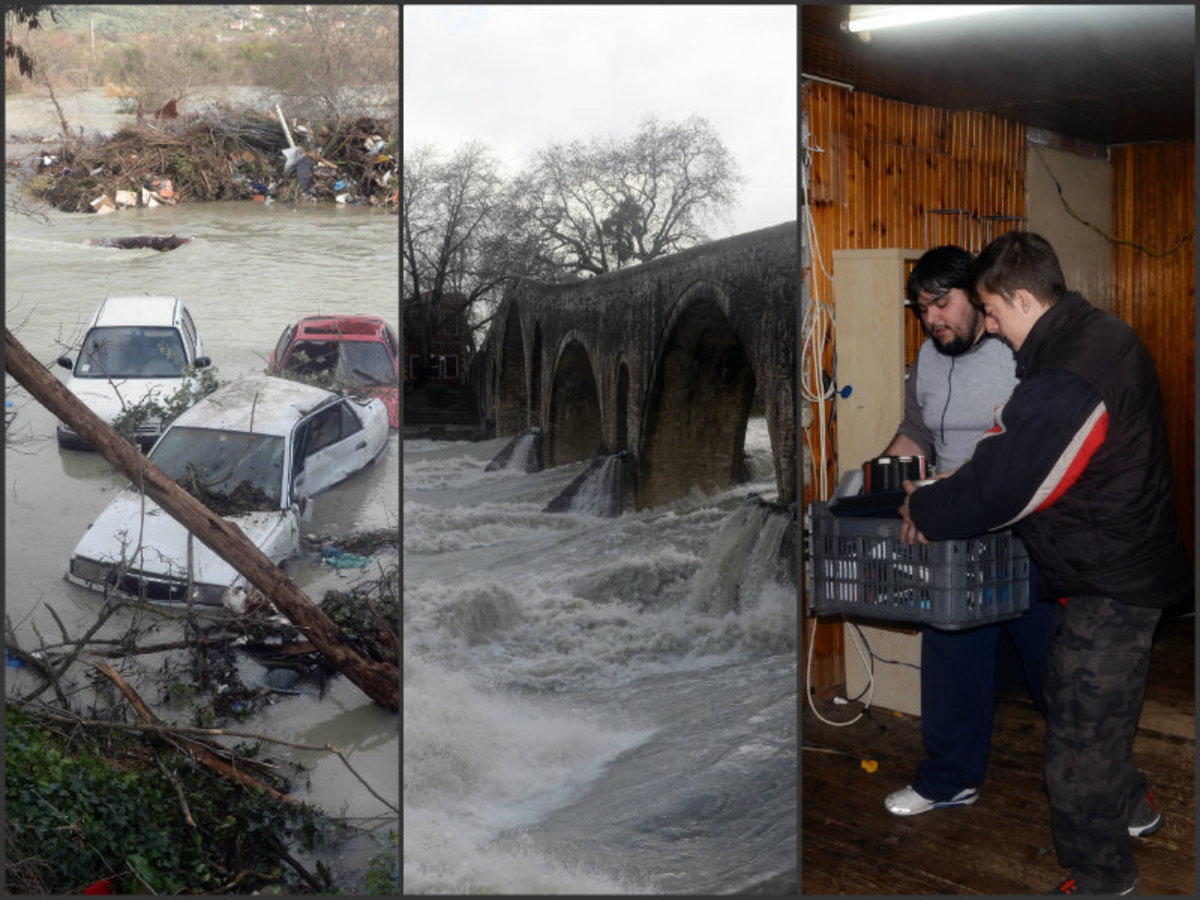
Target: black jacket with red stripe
(1077,463)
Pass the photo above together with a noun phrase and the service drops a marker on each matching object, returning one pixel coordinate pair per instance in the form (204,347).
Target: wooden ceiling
(1104,74)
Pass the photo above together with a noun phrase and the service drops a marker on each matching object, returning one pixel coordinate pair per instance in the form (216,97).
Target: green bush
(197,384)
(73,816)
(383,876)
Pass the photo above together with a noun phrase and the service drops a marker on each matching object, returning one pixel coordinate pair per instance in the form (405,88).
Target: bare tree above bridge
(578,210)
(448,208)
(614,202)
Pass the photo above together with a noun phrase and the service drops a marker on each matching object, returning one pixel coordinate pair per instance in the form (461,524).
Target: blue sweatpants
(958,688)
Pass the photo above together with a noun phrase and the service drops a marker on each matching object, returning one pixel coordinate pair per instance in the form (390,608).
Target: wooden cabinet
(874,339)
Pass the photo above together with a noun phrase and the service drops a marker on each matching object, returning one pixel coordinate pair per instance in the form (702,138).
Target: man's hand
(908,530)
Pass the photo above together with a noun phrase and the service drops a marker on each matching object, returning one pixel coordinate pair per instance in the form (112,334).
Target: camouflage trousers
(1095,680)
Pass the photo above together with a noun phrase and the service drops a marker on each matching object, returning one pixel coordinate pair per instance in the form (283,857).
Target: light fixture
(845,85)
(875,16)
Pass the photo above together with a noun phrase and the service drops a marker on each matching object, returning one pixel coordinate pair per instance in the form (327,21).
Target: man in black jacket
(1078,464)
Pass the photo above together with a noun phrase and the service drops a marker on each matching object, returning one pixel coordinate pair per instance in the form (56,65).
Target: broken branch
(202,753)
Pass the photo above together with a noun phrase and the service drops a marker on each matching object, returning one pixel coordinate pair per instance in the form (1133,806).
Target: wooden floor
(1001,844)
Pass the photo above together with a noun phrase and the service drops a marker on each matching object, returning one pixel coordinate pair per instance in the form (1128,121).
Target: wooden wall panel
(1154,287)
(878,166)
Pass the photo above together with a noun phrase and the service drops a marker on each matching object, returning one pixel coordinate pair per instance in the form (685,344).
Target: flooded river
(249,270)
(593,705)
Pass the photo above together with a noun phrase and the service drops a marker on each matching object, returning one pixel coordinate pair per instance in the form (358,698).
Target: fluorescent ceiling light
(872,17)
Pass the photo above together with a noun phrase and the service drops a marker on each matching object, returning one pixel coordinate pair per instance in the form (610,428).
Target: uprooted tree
(378,680)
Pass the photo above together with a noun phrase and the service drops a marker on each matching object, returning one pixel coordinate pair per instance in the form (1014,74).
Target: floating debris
(227,154)
(162,244)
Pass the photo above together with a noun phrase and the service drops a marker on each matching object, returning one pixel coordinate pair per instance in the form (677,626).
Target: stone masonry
(663,360)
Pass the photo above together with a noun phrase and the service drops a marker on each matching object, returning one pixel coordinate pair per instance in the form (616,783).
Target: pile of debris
(367,614)
(228,154)
(244,498)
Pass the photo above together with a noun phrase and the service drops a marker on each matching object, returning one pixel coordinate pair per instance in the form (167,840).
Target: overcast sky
(518,77)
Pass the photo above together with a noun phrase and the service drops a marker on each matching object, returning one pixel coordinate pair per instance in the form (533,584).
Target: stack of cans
(888,473)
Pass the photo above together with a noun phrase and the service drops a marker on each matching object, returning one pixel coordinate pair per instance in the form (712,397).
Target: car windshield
(131,352)
(342,362)
(229,471)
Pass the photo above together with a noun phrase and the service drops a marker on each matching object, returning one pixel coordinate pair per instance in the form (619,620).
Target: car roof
(261,404)
(144,310)
(337,328)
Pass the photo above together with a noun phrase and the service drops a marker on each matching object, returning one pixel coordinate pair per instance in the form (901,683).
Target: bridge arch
(512,403)
(622,407)
(535,376)
(662,359)
(698,404)
(574,422)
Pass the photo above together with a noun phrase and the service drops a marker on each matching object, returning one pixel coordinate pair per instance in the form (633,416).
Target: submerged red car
(353,354)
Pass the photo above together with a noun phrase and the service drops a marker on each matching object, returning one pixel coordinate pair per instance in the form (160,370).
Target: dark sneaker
(1074,886)
(1146,818)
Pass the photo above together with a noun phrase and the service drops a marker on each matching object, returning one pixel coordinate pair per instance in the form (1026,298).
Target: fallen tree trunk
(379,681)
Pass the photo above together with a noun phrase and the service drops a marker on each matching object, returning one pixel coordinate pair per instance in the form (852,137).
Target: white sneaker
(907,802)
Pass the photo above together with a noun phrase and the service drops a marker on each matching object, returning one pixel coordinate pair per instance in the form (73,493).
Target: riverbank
(443,412)
(219,149)
(125,784)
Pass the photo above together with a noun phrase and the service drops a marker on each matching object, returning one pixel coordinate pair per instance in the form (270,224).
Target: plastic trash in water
(10,660)
(340,559)
(290,155)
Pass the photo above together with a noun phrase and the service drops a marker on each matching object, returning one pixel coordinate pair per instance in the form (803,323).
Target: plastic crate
(860,568)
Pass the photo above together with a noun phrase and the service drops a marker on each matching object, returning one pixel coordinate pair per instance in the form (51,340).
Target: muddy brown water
(249,270)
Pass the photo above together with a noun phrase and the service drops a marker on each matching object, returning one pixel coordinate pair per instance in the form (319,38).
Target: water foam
(432,530)
(478,764)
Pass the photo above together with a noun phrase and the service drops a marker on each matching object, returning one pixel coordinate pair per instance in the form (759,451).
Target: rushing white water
(593,705)
(598,493)
(522,454)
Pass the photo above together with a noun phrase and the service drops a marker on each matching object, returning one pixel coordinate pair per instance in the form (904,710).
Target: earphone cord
(949,391)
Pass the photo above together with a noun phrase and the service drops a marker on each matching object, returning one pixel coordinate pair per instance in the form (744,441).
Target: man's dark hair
(939,270)
(1015,260)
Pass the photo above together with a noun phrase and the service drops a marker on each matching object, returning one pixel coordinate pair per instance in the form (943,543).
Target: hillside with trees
(319,57)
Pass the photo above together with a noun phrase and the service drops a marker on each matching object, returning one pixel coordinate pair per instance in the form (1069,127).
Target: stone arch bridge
(663,360)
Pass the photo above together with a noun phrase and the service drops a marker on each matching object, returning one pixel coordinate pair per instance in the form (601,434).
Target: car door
(393,349)
(280,351)
(331,445)
(191,338)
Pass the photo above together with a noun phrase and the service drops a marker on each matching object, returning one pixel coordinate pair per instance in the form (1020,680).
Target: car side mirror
(65,362)
(202,361)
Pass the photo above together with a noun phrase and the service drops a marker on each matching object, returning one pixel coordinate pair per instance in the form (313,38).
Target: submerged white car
(135,348)
(255,452)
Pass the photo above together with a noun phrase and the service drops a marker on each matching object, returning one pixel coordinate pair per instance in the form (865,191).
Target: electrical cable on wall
(817,325)
(867,658)
(1108,237)
(808,681)
(875,656)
